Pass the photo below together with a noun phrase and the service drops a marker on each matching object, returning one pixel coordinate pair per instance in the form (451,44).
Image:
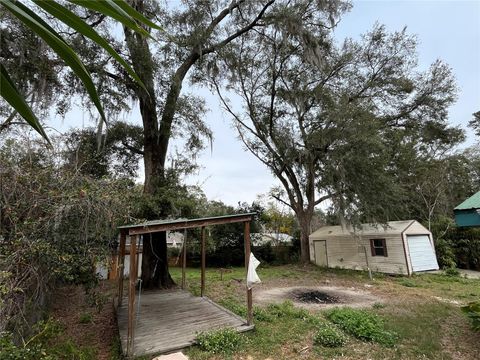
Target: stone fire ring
(342,297)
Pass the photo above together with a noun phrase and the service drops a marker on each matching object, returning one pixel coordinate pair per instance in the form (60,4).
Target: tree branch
(323,198)
(132,148)
(239,32)
(278,198)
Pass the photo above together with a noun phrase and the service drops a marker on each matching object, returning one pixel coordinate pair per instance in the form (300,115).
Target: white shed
(400,247)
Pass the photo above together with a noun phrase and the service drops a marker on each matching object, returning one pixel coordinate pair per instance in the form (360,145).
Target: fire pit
(317,297)
(314,297)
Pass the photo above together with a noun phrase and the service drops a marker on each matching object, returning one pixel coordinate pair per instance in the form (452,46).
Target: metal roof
(182,223)
(473,202)
(391,227)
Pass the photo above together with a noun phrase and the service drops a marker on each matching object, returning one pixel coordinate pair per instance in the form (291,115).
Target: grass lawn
(420,316)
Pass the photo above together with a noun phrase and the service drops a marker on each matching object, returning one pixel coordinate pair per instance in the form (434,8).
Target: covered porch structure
(467,214)
(162,321)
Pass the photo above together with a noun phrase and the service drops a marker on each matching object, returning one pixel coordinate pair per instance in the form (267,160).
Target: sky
(447,30)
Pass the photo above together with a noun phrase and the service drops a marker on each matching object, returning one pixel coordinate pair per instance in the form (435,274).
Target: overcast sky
(447,30)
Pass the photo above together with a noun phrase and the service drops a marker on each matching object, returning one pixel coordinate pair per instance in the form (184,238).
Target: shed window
(379,247)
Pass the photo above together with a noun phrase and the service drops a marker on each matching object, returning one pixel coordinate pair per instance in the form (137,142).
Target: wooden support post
(121,266)
(113,266)
(131,294)
(202,288)
(138,257)
(184,257)
(246,234)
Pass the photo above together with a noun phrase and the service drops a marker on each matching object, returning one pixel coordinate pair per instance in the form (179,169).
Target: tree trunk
(304,220)
(155,272)
(157,135)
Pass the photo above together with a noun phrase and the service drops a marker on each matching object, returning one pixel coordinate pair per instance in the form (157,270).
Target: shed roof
(391,227)
(473,202)
(175,224)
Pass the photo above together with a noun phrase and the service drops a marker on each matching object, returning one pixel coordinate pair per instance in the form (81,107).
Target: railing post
(202,288)
(121,266)
(246,234)
(131,294)
(184,257)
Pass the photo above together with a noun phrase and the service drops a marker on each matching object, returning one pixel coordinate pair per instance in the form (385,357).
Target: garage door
(422,254)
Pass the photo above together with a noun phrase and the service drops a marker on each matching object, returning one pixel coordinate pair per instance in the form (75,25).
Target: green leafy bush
(224,341)
(445,253)
(452,272)
(473,312)
(59,225)
(329,336)
(363,325)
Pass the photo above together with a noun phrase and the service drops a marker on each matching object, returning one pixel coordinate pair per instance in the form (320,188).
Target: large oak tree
(331,120)
(195,30)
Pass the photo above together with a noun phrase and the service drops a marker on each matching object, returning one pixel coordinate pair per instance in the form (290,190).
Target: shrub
(224,341)
(473,312)
(329,336)
(445,253)
(452,272)
(363,325)
(60,223)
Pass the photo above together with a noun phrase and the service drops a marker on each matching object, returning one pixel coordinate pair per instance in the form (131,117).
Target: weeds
(39,347)
(363,325)
(287,310)
(225,341)
(85,318)
(473,312)
(329,336)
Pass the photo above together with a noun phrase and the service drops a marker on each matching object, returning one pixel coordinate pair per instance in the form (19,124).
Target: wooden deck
(170,320)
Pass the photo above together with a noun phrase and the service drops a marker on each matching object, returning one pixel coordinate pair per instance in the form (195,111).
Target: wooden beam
(113,266)
(131,295)
(138,252)
(246,235)
(121,266)
(186,224)
(202,288)
(184,258)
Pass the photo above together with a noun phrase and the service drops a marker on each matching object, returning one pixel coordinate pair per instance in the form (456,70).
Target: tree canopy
(335,122)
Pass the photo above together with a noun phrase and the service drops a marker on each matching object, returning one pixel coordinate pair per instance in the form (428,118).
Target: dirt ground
(85,323)
(468,274)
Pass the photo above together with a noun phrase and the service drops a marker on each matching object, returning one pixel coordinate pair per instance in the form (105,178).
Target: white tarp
(252,277)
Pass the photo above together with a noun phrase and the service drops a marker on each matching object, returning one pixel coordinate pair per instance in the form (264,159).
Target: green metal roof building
(467,214)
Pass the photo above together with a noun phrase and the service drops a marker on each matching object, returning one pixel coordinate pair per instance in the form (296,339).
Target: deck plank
(170,320)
